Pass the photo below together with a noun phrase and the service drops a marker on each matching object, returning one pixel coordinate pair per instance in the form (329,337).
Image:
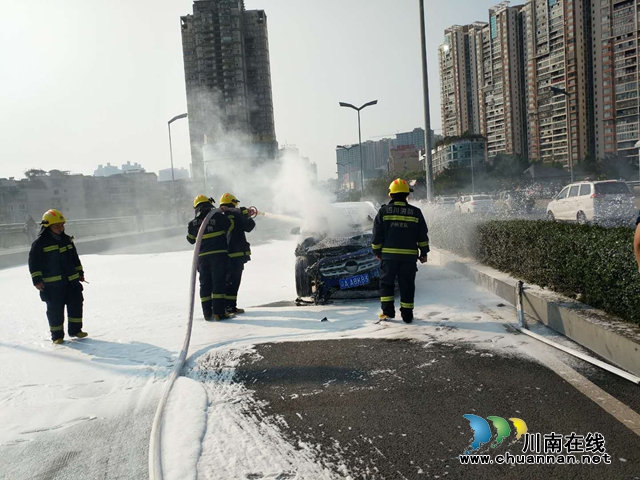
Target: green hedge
(595,264)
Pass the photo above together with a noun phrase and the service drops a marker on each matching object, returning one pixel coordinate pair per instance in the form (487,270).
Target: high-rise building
(616,37)
(228,80)
(482,84)
(558,80)
(375,156)
(414,138)
(500,81)
(458,81)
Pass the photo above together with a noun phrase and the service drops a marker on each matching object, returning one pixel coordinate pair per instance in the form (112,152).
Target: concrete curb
(608,336)
(97,245)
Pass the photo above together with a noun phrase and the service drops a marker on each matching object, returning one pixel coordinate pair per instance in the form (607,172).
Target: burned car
(338,262)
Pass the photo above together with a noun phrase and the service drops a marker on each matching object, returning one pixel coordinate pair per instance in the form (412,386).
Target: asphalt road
(393,409)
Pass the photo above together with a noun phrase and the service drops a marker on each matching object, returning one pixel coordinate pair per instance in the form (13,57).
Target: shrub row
(594,264)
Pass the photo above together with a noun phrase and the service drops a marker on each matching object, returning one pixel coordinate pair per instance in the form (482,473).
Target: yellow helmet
(200,199)
(53,216)
(399,186)
(228,198)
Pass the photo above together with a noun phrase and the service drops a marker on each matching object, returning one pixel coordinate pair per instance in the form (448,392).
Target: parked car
(599,202)
(445,203)
(515,201)
(338,261)
(475,204)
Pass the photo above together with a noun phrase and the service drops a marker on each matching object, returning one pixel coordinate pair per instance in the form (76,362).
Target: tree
(34,172)
(508,166)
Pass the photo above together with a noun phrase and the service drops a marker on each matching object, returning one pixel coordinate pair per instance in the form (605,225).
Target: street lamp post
(638,147)
(473,183)
(560,91)
(427,108)
(348,105)
(173,178)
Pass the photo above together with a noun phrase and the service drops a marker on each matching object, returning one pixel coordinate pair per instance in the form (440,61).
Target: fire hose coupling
(253,212)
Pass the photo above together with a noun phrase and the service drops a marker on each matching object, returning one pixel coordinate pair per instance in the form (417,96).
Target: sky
(88,83)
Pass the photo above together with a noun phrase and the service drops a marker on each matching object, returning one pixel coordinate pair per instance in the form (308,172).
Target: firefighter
(239,248)
(56,273)
(400,237)
(213,257)
(30,229)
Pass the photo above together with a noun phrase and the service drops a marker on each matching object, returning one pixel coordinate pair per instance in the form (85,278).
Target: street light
(348,105)
(173,178)
(561,91)
(638,147)
(427,108)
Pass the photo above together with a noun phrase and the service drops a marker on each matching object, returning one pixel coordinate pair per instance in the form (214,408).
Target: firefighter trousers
(56,298)
(234,278)
(405,272)
(213,277)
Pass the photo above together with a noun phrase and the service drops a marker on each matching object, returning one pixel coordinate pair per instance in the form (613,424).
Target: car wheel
(550,216)
(581,218)
(303,282)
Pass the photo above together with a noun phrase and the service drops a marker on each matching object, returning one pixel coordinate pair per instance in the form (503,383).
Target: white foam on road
(135,312)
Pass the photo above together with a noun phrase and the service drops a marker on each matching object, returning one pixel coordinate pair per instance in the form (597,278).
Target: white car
(474,204)
(583,202)
(445,203)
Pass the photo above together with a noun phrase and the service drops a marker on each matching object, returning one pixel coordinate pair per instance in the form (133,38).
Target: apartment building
(501,81)
(228,81)
(616,32)
(458,81)
(558,80)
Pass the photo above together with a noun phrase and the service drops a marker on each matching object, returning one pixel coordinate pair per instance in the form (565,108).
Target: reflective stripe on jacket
(54,261)
(241,224)
(214,240)
(400,232)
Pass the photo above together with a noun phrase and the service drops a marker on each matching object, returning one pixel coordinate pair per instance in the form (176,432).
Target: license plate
(354,282)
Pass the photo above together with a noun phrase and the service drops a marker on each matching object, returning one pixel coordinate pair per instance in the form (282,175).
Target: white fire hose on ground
(155,458)
(523,328)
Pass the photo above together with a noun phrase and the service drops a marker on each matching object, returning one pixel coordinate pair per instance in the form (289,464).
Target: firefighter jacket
(54,261)
(214,240)
(400,232)
(241,223)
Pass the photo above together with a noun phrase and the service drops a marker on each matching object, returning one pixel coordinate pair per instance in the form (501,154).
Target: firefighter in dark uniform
(56,272)
(239,248)
(213,257)
(400,238)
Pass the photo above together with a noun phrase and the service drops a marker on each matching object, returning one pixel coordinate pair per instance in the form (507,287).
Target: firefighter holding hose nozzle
(239,249)
(213,258)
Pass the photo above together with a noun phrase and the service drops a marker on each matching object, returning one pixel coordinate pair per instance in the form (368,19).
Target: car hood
(340,245)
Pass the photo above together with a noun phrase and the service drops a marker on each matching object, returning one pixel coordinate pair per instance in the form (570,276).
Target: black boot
(407,315)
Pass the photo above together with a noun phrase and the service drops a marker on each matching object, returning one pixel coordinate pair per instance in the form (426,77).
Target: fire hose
(155,459)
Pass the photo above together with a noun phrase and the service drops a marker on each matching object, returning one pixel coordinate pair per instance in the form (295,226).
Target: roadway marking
(621,412)
(625,415)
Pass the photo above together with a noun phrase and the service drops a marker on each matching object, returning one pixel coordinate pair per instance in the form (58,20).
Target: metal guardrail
(12,235)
